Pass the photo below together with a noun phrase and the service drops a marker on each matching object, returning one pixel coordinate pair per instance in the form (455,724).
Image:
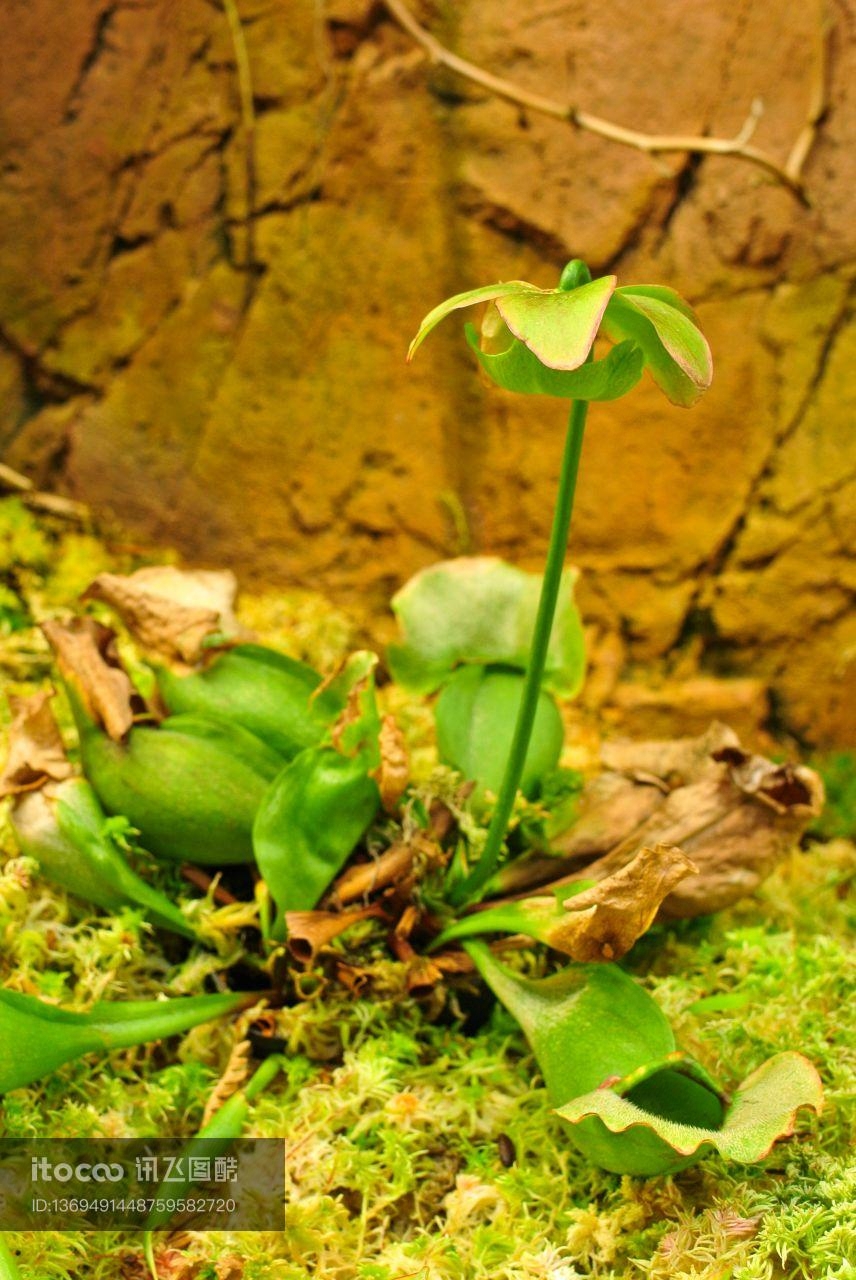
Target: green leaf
(763,1111)
(191,786)
(636,1105)
(584,1023)
(214,1138)
(65,829)
(558,327)
(359,726)
(517,369)
(534,917)
(257,688)
(483,294)
(309,822)
(476,714)
(333,696)
(36,1038)
(591,1023)
(481,610)
(675,350)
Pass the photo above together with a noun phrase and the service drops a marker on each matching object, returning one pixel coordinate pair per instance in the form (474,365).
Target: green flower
(540,341)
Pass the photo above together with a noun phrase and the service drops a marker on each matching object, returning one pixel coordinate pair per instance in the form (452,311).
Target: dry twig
(739,147)
(235,1074)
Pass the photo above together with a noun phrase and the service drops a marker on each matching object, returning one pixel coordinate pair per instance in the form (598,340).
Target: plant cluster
(239,756)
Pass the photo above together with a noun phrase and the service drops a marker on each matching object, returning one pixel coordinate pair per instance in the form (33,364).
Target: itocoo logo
(44,1170)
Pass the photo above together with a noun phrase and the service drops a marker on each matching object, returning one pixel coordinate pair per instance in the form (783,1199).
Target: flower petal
(675,350)
(485,293)
(517,369)
(558,326)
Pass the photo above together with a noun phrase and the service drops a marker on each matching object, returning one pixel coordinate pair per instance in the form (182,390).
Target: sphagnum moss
(393,1122)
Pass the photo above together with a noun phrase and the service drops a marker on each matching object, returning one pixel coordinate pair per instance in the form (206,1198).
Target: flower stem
(469,889)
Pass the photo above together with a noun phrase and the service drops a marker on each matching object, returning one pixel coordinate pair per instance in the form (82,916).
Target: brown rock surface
(212,350)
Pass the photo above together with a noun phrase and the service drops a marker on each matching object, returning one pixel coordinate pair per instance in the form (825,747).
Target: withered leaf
(36,751)
(355,978)
(393,772)
(603,922)
(233,1077)
(363,878)
(786,788)
(309,931)
(736,815)
(674,761)
(423,975)
(87,660)
(392,869)
(171,611)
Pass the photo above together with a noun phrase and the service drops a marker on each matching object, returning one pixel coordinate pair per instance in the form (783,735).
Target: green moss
(839,778)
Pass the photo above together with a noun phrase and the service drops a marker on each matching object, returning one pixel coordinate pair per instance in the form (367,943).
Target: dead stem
(788,174)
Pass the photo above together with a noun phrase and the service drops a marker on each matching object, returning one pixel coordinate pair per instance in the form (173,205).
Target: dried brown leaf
(603,922)
(391,867)
(734,814)
(36,751)
(352,976)
(454,962)
(86,657)
(788,789)
(407,921)
(610,806)
(393,773)
(234,1075)
(423,975)
(171,611)
(675,761)
(309,931)
(353,709)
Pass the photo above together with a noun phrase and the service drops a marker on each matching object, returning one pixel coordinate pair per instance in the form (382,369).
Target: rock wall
(203,324)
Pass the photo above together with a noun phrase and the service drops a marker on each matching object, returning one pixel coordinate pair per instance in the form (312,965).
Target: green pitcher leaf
(309,823)
(485,293)
(517,369)
(675,350)
(36,1037)
(537,341)
(634,1103)
(586,1023)
(481,610)
(255,687)
(475,716)
(763,1111)
(590,1024)
(63,827)
(190,786)
(559,327)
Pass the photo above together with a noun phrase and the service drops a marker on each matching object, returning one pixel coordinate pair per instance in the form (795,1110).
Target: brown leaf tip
(36,750)
(89,664)
(171,611)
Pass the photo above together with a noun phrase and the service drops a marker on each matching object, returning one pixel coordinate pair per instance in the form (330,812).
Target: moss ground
(393,1109)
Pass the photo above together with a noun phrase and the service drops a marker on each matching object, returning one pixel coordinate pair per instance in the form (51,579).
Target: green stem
(487,864)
